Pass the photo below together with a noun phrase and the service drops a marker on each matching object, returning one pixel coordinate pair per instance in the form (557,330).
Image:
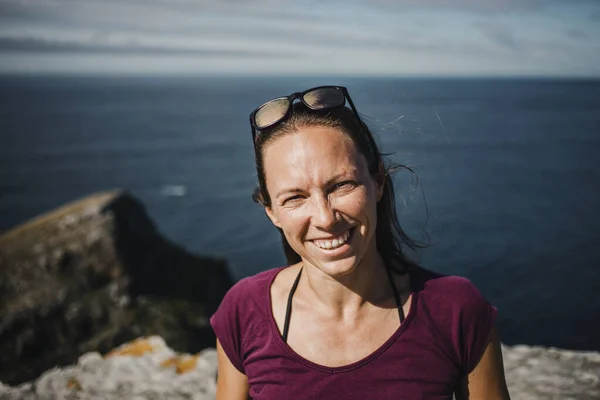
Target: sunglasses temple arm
(356,113)
(364,126)
(253,130)
(353,108)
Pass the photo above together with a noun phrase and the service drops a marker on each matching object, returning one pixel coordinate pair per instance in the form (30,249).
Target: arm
(231,383)
(487,380)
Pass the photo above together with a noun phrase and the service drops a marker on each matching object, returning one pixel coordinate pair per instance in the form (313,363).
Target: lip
(339,250)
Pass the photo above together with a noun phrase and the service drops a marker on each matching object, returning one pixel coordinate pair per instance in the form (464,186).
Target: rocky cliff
(92,275)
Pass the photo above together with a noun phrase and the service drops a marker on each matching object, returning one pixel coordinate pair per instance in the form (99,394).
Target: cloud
(577,34)
(481,6)
(187,20)
(401,35)
(499,34)
(288,8)
(36,45)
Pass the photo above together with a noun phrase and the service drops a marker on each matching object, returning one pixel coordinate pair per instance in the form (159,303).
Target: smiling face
(322,197)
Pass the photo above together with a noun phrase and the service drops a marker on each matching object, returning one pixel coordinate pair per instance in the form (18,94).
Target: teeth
(335,243)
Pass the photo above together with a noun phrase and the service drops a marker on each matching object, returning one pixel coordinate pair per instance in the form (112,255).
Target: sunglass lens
(271,112)
(324,98)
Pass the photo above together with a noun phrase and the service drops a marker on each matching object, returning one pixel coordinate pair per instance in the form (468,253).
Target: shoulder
(242,312)
(457,312)
(245,306)
(447,291)
(253,285)
(248,294)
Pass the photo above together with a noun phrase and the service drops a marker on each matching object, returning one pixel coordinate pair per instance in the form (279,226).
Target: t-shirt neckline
(356,364)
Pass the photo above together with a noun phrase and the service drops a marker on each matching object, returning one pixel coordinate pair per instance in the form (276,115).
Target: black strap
(396,295)
(288,311)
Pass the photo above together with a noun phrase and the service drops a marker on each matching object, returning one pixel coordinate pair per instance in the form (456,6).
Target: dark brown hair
(390,237)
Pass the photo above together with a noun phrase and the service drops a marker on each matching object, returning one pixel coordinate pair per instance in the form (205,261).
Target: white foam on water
(173,190)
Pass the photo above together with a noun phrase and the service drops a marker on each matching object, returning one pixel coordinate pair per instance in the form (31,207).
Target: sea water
(508,187)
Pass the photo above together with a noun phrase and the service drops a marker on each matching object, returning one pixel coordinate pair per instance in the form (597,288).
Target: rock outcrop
(147,369)
(539,373)
(93,275)
(143,369)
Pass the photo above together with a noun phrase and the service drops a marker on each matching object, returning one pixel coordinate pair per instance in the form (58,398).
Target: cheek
(362,204)
(354,208)
(292,221)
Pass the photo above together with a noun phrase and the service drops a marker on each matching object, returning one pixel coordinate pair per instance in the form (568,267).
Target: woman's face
(322,197)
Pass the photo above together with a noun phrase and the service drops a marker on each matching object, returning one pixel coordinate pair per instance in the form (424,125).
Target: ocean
(507,183)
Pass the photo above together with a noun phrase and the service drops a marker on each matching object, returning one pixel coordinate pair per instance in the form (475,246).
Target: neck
(346,295)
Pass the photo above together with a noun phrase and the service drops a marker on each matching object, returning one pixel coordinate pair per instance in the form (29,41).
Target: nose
(324,216)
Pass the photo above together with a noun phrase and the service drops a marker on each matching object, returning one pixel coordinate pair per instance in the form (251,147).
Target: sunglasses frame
(300,95)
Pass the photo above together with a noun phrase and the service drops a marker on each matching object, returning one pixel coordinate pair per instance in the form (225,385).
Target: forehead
(311,153)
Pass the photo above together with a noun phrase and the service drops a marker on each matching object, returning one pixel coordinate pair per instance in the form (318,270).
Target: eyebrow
(344,174)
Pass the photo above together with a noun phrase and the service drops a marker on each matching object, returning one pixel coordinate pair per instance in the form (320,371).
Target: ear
(272,217)
(380,181)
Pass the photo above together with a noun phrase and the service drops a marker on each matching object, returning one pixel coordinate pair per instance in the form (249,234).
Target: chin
(335,268)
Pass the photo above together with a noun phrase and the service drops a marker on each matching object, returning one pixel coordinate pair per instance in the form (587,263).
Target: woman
(352,317)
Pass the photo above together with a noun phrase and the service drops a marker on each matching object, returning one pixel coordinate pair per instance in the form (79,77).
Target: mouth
(336,242)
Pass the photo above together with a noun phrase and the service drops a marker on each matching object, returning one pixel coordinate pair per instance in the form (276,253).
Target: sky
(302,37)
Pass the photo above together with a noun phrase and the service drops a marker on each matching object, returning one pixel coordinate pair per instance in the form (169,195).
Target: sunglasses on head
(320,98)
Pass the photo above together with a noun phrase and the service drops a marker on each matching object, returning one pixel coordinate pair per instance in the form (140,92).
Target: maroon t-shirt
(442,338)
